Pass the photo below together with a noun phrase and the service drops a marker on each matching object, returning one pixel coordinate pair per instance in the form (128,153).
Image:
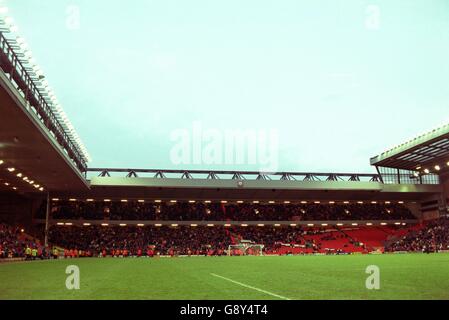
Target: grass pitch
(408,276)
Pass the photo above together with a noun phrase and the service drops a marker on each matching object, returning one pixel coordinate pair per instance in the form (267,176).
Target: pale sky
(339,81)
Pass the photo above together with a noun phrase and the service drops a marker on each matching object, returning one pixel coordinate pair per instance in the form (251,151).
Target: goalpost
(246,248)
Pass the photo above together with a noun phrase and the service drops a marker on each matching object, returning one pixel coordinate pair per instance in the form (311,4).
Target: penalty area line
(250,287)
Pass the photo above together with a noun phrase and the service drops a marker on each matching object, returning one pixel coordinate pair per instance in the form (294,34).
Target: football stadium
(74,229)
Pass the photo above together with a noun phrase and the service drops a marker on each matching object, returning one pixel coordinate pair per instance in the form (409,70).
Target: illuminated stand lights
(241,224)
(20,46)
(159,201)
(420,171)
(12,170)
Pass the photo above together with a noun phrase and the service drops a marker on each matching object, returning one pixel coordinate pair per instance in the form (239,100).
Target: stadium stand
(433,237)
(14,243)
(93,241)
(202,240)
(74,210)
(129,241)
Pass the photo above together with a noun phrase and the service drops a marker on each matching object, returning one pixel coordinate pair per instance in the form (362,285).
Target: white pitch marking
(250,287)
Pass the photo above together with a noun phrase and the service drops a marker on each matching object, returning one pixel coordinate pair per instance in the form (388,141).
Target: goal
(245,248)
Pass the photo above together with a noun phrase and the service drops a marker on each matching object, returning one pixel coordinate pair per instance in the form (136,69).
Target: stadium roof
(427,153)
(17,61)
(204,185)
(31,159)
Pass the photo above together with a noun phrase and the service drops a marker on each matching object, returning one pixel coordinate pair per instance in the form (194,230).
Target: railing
(20,76)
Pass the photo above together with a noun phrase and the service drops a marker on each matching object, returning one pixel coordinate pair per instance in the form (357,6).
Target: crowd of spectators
(97,240)
(137,241)
(15,244)
(270,237)
(273,238)
(432,238)
(182,240)
(200,211)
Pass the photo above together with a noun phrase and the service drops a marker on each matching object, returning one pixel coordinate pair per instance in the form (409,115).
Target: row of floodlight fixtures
(421,171)
(175,225)
(225,201)
(20,175)
(443,125)
(25,55)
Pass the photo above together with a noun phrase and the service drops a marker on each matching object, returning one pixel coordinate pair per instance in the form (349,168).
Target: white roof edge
(429,135)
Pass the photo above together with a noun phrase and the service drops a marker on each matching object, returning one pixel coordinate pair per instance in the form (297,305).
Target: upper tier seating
(199,211)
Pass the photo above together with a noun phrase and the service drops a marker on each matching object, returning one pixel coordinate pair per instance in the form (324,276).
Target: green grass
(410,276)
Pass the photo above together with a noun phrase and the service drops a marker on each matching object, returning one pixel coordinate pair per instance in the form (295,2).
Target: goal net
(245,248)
